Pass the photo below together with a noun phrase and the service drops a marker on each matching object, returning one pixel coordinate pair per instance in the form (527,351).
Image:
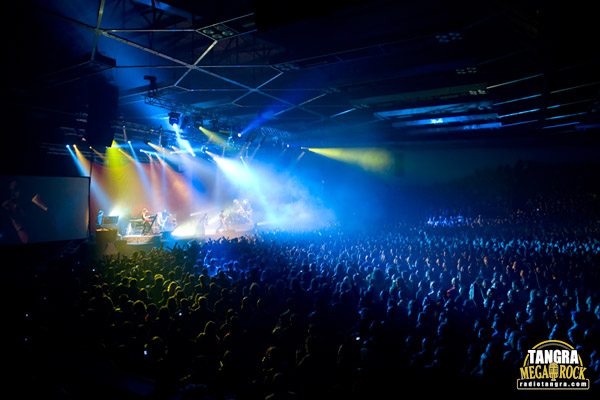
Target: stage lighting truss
(211,121)
(241,133)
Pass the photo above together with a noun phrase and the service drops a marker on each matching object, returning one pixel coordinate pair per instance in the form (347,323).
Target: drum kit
(240,213)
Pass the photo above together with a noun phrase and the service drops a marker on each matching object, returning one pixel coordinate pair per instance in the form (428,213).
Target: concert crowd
(450,305)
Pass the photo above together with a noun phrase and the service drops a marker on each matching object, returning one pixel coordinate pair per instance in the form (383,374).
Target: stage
(110,243)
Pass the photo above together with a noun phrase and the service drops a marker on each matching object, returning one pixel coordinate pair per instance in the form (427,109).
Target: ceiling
(308,73)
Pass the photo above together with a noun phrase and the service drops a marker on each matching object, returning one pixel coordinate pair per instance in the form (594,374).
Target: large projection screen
(39,209)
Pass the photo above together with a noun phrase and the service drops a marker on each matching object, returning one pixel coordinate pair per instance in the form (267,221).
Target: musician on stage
(100,218)
(147,218)
(163,220)
(237,207)
(222,220)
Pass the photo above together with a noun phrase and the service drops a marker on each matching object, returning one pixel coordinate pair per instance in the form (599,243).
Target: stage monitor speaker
(103,99)
(106,235)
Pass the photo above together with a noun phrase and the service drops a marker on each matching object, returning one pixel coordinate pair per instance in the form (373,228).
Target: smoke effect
(294,208)
(281,201)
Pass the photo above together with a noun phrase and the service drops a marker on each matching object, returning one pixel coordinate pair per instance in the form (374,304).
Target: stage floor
(212,234)
(142,239)
(128,244)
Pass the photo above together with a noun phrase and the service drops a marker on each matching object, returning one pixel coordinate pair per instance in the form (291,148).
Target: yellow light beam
(158,148)
(116,157)
(129,157)
(370,159)
(97,153)
(212,136)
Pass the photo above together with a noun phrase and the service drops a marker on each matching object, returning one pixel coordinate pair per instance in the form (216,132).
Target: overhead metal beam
(150,30)
(180,62)
(442,108)
(421,95)
(204,53)
(97,29)
(159,5)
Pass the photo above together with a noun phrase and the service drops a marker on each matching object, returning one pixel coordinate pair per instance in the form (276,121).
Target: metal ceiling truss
(195,66)
(218,49)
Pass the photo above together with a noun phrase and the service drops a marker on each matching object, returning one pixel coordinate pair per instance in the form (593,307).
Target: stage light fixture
(174,118)
(152,79)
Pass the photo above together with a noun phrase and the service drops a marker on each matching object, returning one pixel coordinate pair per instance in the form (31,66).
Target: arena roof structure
(305,72)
